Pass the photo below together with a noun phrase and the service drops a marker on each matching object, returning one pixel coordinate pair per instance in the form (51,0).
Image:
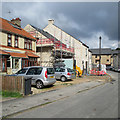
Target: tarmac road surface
(99,102)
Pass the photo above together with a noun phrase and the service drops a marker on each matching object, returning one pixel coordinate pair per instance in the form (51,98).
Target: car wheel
(63,78)
(39,84)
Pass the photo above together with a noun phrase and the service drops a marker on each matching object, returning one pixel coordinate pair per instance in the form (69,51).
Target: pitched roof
(104,51)
(20,55)
(30,54)
(70,35)
(67,33)
(46,34)
(85,45)
(10,27)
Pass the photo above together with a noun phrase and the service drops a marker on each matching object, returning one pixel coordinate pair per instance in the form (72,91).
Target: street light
(100,53)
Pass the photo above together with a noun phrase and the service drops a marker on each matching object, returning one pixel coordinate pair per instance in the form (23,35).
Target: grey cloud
(79,19)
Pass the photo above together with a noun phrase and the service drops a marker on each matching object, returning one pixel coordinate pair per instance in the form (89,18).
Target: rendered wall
(78,47)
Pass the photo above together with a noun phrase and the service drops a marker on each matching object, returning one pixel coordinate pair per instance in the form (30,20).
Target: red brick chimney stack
(17,21)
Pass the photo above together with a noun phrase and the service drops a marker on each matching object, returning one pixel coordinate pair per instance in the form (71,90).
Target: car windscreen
(22,71)
(69,70)
(34,71)
(50,71)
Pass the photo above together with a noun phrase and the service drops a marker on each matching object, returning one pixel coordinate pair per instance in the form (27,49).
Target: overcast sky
(85,21)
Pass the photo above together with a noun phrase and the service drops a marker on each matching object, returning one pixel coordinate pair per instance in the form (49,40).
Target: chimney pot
(50,21)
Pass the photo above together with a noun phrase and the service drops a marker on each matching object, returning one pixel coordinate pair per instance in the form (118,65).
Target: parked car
(117,70)
(109,68)
(64,74)
(113,69)
(40,76)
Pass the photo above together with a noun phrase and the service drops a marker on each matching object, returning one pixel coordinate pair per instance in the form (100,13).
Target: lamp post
(100,53)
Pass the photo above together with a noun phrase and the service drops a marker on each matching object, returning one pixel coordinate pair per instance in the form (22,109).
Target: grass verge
(10,94)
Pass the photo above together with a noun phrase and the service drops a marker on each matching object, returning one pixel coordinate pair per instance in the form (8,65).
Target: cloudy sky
(85,21)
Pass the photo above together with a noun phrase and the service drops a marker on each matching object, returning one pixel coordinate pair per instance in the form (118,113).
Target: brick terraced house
(106,56)
(17,47)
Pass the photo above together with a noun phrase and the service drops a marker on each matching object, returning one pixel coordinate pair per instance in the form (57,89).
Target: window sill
(9,45)
(27,49)
(16,47)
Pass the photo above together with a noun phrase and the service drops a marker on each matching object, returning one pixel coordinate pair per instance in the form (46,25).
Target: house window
(9,39)
(95,56)
(107,60)
(25,44)
(24,63)
(28,44)
(16,41)
(32,62)
(8,62)
(96,61)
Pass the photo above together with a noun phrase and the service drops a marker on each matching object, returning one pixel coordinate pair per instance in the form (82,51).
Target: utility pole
(100,53)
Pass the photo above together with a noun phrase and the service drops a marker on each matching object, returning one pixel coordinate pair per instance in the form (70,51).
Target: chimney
(17,21)
(50,21)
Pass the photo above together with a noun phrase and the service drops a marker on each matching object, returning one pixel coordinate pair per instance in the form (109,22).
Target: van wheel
(39,84)
(63,78)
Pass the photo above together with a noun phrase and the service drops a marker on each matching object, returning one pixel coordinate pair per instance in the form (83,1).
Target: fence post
(23,86)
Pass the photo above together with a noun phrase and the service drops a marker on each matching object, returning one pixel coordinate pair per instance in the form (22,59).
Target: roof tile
(9,27)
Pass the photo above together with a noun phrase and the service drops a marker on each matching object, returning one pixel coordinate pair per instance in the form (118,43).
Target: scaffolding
(59,50)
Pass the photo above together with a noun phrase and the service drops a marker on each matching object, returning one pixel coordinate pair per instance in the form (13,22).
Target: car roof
(37,67)
(63,67)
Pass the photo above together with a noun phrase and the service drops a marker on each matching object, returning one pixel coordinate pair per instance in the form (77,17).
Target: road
(99,102)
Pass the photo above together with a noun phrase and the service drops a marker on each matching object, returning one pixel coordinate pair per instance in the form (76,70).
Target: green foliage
(10,94)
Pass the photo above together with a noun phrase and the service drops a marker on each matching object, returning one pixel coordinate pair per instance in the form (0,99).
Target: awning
(19,55)
(30,54)
(2,52)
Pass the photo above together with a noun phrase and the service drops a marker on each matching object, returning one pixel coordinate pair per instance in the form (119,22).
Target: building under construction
(49,48)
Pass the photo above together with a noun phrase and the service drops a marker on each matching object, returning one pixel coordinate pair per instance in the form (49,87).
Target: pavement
(19,105)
